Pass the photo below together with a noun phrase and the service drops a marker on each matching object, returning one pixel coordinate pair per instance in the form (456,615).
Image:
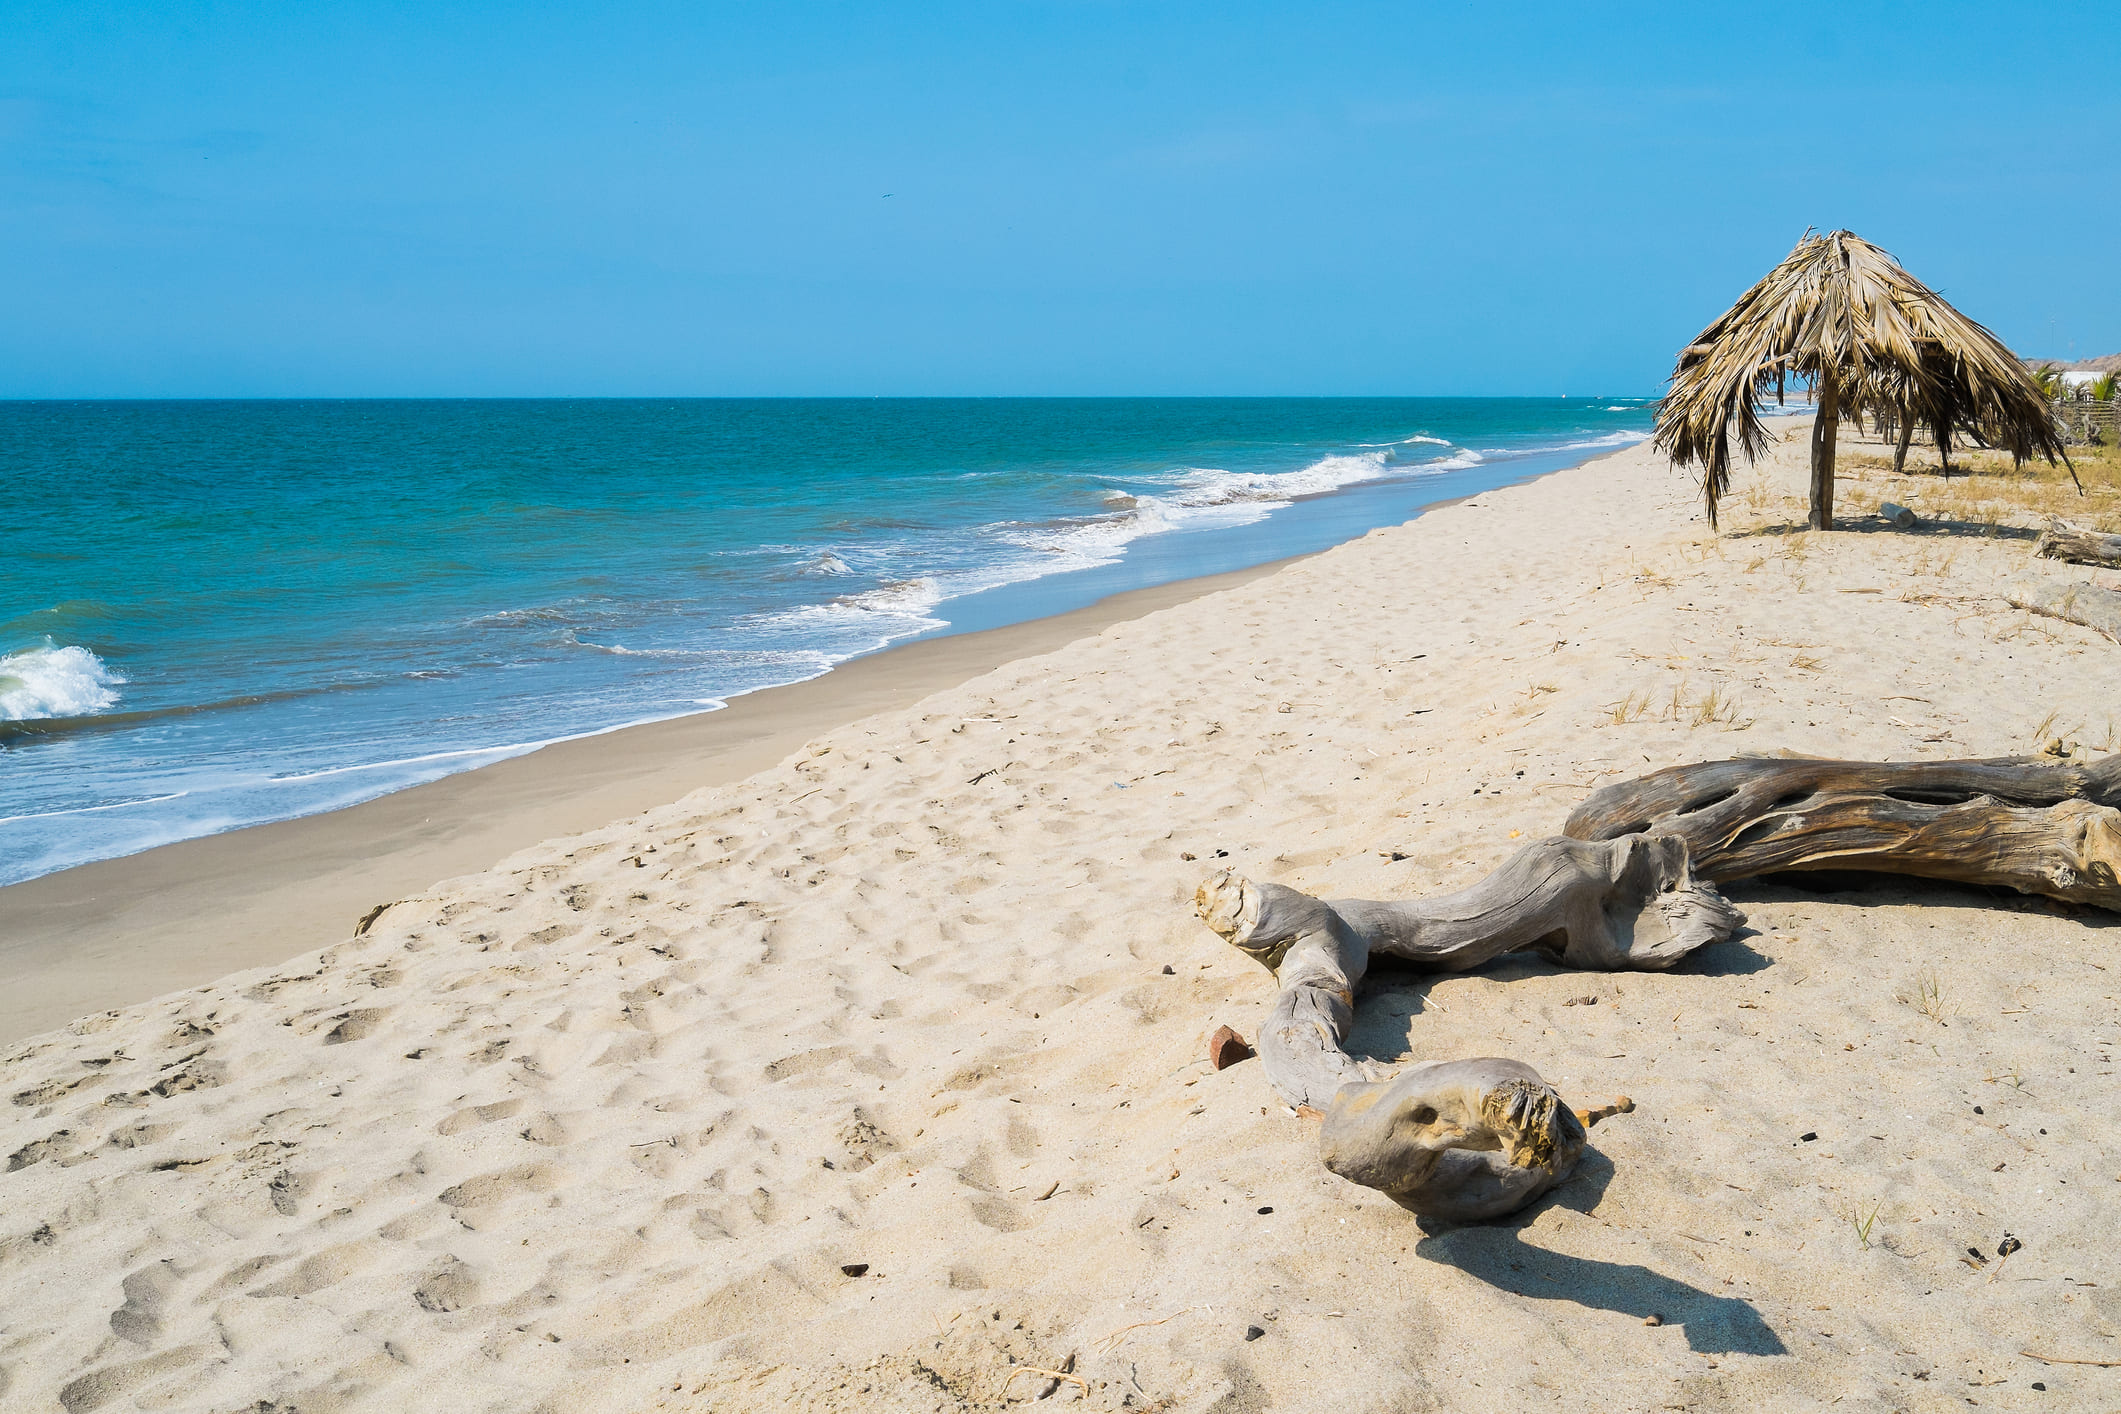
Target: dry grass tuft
(1927,997)
(1633,709)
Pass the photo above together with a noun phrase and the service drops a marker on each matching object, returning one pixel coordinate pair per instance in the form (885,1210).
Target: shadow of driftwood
(1865,890)
(1733,957)
(1499,1255)
(1394,992)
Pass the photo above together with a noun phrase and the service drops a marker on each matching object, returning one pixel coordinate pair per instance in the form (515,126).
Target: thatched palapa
(1844,316)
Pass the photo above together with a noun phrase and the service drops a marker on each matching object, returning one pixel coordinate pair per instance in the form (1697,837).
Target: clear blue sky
(516,199)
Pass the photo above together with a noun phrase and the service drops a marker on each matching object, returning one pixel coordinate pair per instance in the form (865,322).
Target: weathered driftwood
(2084,604)
(2018,823)
(1462,1140)
(2061,541)
(1631,885)
(1624,903)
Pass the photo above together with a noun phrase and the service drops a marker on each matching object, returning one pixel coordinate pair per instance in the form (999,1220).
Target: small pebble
(1809,1136)
(2038,1385)
(1226,1048)
(1653,1319)
(1979,1111)
(1168,972)
(1253,1332)
(1264,1211)
(2008,1245)
(855,1269)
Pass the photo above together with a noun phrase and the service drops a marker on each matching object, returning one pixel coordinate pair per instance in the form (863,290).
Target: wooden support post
(1825,429)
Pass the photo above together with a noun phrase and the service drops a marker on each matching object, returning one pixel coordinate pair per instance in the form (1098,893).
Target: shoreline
(115,932)
(166,763)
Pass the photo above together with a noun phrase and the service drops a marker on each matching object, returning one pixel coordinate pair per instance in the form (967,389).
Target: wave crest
(55,682)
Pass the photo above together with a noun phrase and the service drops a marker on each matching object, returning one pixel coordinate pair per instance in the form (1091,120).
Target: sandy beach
(870,1074)
(107,934)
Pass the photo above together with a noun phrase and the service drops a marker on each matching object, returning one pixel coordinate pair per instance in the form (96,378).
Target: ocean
(214,614)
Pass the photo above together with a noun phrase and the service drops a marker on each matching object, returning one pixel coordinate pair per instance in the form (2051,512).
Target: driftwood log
(1630,885)
(2017,823)
(1475,1138)
(2085,604)
(2061,541)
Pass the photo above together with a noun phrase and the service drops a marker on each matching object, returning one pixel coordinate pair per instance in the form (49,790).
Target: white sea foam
(904,599)
(94,809)
(1199,498)
(55,682)
(1204,487)
(905,596)
(1609,439)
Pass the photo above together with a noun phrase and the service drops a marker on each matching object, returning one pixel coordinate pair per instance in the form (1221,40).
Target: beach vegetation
(1633,708)
(1926,996)
(1986,495)
(1714,707)
(1862,1222)
(1875,344)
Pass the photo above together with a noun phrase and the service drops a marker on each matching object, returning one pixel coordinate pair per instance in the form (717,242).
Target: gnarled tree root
(2013,822)
(1472,1138)
(1631,885)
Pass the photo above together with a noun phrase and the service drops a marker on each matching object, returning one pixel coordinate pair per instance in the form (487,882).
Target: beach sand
(873,1077)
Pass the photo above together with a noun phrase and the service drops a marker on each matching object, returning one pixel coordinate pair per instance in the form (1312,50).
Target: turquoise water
(218,613)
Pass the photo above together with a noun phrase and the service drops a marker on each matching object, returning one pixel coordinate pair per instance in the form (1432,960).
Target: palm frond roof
(1841,310)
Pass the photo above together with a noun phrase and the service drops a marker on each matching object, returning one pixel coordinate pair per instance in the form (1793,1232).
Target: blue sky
(1004,198)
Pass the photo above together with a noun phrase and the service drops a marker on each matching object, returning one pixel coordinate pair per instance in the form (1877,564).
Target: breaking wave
(55,682)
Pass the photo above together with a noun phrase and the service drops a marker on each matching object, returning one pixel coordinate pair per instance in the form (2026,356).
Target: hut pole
(1907,437)
(1824,431)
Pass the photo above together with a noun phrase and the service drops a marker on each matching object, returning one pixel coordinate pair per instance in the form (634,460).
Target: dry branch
(2062,541)
(2085,604)
(2016,823)
(1463,1139)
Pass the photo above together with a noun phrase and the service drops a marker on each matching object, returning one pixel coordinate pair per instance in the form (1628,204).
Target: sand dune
(613,1125)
